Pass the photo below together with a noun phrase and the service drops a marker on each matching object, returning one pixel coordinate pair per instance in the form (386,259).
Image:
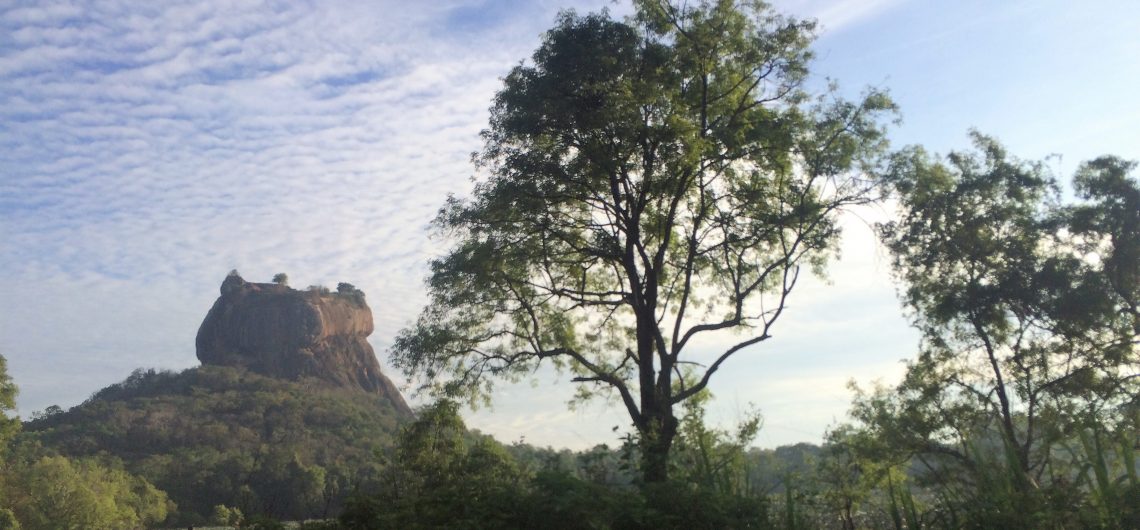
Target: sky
(148,148)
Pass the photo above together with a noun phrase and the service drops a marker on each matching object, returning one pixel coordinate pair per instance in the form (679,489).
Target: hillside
(219,435)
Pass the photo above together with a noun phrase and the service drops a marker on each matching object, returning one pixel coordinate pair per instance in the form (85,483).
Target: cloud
(152,147)
(837,15)
(148,151)
(846,13)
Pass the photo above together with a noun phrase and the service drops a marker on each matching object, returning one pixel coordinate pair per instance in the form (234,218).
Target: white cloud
(836,15)
(151,147)
(155,150)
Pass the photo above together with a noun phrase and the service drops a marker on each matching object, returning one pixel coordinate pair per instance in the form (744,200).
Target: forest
(651,185)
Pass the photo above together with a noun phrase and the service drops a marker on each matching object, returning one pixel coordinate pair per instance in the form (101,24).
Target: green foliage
(969,248)
(651,182)
(8,391)
(676,504)
(1020,324)
(226,516)
(281,279)
(903,510)
(330,524)
(440,477)
(1027,308)
(1110,224)
(47,492)
(8,520)
(560,500)
(849,476)
(1109,473)
(49,411)
(348,290)
(40,490)
(222,436)
(710,458)
(261,522)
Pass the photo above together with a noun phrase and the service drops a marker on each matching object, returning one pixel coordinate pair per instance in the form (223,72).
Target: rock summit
(274,330)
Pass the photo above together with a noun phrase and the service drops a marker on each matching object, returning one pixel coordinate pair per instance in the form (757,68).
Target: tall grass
(902,508)
(1111,479)
(1096,487)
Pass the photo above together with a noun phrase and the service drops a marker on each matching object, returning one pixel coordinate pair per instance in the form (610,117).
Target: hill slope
(217,435)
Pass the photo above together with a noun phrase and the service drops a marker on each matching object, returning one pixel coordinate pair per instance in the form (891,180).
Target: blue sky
(148,148)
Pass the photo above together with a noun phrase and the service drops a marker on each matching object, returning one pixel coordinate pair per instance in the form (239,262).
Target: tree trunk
(657,435)
(657,426)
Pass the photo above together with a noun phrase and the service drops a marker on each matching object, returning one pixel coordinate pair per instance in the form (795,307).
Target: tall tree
(967,249)
(1026,306)
(1107,224)
(653,184)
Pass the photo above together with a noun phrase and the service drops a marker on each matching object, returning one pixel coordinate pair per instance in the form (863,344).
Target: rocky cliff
(281,332)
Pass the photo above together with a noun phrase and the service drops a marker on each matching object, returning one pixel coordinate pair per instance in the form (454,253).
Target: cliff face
(281,332)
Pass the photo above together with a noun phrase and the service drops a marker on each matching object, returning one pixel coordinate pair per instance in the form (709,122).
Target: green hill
(214,435)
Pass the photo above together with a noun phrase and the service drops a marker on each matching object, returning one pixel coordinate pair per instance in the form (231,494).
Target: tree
(441,476)
(59,492)
(711,458)
(281,279)
(1027,312)
(653,184)
(226,516)
(348,290)
(8,520)
(1108,225)
(8,428)
(850,468)
(967,248)
(8,390)
(997,272)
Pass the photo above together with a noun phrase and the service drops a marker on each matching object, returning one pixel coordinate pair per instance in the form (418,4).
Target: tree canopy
(1027,309)
(8,390)
(43,490)
(651,184)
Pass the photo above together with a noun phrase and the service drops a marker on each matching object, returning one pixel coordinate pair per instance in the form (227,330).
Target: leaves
(8,391)
(1028,332)
(647,182)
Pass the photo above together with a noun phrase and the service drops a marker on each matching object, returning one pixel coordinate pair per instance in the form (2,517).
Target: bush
(319,289)
(261,522)
(351,292)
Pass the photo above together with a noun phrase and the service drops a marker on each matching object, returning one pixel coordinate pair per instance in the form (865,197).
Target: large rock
(281,332)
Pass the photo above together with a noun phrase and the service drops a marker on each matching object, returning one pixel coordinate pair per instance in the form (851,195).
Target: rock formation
(281,332)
